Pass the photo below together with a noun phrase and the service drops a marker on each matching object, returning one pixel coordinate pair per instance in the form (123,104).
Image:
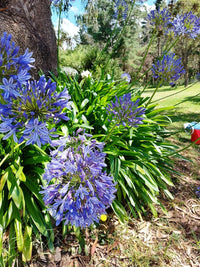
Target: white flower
(86,73)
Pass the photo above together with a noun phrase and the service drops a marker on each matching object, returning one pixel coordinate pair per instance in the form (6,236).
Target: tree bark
(29,22)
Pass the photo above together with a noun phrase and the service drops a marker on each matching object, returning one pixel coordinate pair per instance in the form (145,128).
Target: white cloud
(69,27)
(149,7)
(75,10)
(72,31)
(152,6)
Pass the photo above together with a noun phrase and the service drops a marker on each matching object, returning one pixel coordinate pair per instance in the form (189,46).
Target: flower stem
(172,45)
(119,35)
(182,149)
(154,92)
(109,133)
(166,51)
(108,43)
(147,50)
(12,147)
(121,137)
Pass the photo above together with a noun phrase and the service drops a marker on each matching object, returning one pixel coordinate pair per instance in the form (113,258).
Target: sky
(150,2)
(77,8)
(69,24)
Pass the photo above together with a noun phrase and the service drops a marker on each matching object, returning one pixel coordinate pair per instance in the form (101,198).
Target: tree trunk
(29,22)
(186,78)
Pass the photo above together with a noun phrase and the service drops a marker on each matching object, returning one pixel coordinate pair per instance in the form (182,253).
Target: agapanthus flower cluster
(121,9)
(11,65)
(28,107)
(160,19)
(126,76)
(78,189)
(168,69)
(187,25)
(126,112)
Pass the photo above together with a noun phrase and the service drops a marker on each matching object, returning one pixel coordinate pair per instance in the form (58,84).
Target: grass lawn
(186,108)
(186,102)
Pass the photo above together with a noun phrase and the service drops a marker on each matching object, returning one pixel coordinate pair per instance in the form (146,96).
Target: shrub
(137,157)
(85,57)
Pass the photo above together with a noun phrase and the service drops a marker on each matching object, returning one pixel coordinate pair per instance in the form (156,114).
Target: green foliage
(115,38)
(90,98)
(158,4)
(85,57)
(140,164)
(98,19)
(73,58)
(136,157)
(21,206)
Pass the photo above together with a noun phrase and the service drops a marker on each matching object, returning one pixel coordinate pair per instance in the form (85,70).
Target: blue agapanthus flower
(126,76)
(30,109)
(160,19)
(78,189)
(187,25)
(168,69)
(12,65)
(9,88)
(121,9)
(126,112)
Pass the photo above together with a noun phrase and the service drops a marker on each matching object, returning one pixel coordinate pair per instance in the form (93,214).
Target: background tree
(101,26)
(98,23)
(158,3)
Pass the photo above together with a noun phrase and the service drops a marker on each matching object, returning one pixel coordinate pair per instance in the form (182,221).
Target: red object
(195,135)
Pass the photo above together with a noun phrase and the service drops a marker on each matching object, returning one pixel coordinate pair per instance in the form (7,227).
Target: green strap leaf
(3,180)
(1,238)
(119,210)
(1,261)
(9,214)
(84,103)
(33,187)
(15,191)
(127,178)
(19,235)
(35,214)
(12,240)
(20,174)
(50,238)
(27,251)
